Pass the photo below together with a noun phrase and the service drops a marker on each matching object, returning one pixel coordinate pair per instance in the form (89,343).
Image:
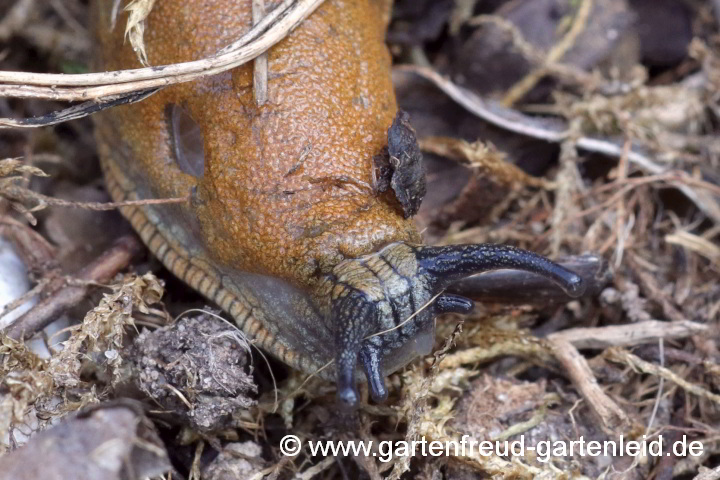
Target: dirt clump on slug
(586,130)
(400,166)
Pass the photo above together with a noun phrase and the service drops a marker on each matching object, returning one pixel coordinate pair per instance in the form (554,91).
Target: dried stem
(622,356)
(524,85)
(629,335)
(612,418)
(260,65)
(102,269)
(96,86)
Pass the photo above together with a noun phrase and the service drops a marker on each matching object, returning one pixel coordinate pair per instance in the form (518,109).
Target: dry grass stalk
(629,335)
(623,356)
(491,162)
(523,86)
(695,243)
(613,420)
(260,64)
(99,86)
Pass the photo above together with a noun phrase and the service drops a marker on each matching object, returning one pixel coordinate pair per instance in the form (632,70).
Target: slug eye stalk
(377,311)
(446,265)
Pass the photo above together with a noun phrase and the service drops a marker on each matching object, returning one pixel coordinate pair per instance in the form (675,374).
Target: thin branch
(629,335)
(76,111)
(94,86)
(524,85)
(260,64)
(102,269)
(612,418)
(661,354)
(18,193)
(622,356)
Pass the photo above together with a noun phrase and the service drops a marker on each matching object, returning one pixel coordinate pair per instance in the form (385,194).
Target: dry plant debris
(556,125)
(135,26)
(34,391)
(197,368)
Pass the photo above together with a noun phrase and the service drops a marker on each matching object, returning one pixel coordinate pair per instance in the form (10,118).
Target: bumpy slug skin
(284,229)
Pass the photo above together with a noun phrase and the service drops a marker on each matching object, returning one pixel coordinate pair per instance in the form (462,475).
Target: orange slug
(287,229)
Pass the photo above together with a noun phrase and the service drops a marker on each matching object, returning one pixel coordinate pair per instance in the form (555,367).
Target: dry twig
(623,356)
(16,192)
(629,335)
(479,155)
(527,83)
(64,296)
(99,86)
(260,64)
(613,419)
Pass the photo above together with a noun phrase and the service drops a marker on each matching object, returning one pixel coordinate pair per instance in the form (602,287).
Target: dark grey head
(383,305)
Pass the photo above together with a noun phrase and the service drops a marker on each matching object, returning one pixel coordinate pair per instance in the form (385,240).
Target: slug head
(383,305)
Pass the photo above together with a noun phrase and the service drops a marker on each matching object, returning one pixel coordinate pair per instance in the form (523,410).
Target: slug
(285,228)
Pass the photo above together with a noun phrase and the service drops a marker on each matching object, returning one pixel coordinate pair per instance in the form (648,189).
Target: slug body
(284,229)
